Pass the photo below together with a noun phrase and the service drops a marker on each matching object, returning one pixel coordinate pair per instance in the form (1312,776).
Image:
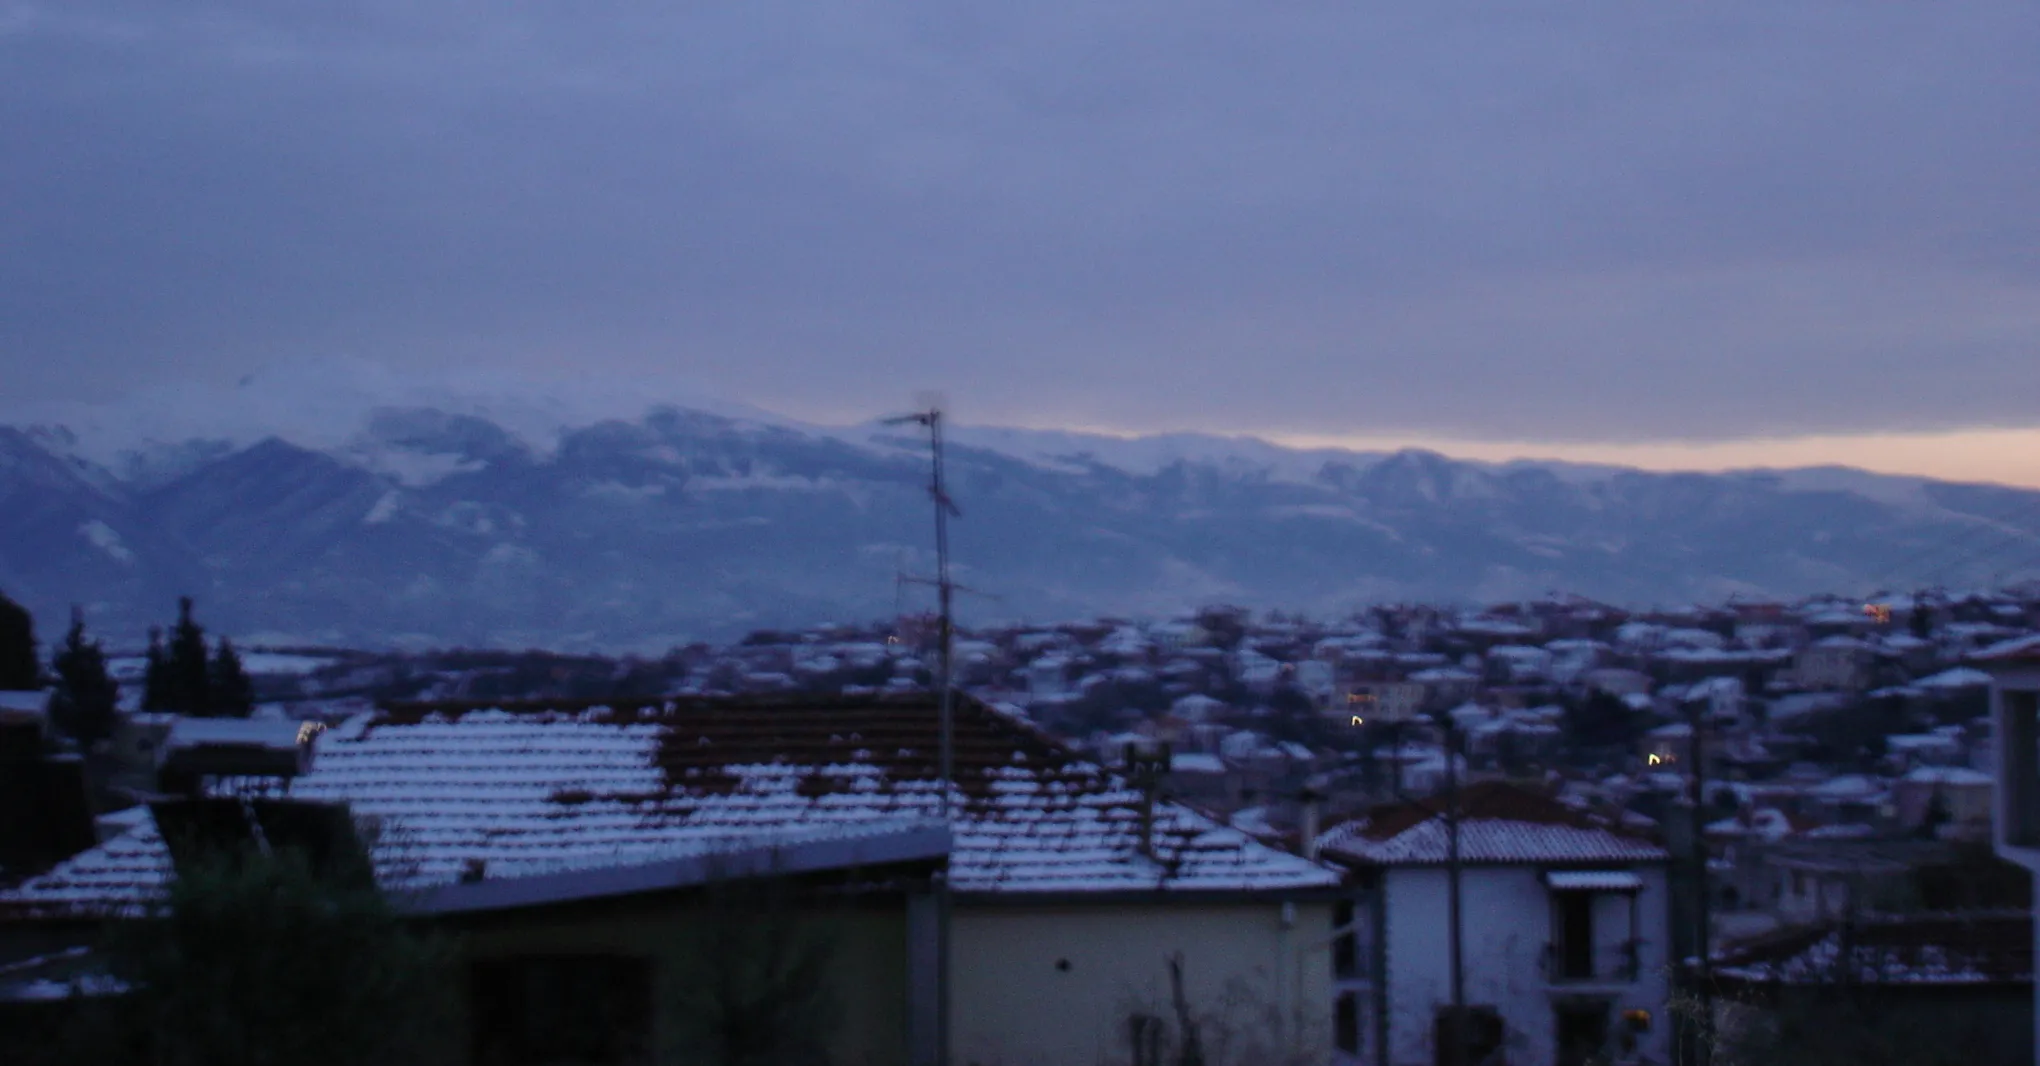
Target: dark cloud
(1563,221)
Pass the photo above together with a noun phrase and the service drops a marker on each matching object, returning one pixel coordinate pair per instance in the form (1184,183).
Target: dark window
(552,1010)
(1345,946)
(1346,1023)
(1483,1035)
(2020,756)
(1576,934)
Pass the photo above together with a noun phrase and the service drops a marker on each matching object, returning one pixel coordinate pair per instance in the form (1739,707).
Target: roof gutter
(922,843)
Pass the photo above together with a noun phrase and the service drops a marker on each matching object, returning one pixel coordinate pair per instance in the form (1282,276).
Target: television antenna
(930,419)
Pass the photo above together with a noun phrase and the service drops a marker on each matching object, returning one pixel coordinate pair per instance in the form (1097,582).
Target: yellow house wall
(1012,1006)
(870,964)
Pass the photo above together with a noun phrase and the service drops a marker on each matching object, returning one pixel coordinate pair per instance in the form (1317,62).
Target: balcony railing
(1606,964)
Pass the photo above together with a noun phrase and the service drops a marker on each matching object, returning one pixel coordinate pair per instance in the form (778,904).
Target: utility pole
(1703,1044)
(1458,1027)
(938,491)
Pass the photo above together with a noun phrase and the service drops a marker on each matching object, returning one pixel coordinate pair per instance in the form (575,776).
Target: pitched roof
(1499,823)
(2019,650)
(1979,948)
(536,788)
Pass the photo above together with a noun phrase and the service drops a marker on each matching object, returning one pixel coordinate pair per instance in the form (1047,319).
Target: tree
(1602,720)
(188,682)
(232,694)
(1936,816)
(750,981)
(1921,621)
(85,704)
(156,674)
(20,668)
(254,959)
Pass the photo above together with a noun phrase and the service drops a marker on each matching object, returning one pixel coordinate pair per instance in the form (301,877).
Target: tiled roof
(2019,650)
(534,789)
(1985,948)
(1499,823)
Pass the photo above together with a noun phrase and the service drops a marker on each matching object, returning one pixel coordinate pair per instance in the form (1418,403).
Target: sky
(1734,233)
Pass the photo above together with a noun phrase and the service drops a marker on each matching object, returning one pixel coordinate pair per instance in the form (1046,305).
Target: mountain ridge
(444,527)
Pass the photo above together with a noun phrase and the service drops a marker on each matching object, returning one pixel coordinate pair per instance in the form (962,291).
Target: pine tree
(85,702)
(1922,620)
(188,683)
(232,695)
(156,676)
(20,668)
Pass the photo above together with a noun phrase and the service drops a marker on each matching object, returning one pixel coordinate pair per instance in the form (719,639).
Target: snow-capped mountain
(378,519)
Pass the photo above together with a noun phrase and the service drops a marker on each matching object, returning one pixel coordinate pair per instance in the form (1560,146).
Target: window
(553,1010)
(1345,945)
(1575,948)
(2020,758)
(1483,1034)
(1346,1023)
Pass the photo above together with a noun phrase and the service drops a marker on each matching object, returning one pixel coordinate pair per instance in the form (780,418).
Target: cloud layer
(1563,221)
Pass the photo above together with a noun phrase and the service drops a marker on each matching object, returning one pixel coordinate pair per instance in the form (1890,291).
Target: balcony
(1604,966)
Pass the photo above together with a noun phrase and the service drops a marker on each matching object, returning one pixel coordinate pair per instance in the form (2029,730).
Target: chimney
(1147,773)
(1312,815)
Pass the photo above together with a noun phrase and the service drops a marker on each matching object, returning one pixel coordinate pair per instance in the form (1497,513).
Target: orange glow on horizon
(1996,456)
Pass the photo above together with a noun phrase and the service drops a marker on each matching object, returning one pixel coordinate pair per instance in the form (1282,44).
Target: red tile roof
(537,788)
(1967,949)
(1498,823)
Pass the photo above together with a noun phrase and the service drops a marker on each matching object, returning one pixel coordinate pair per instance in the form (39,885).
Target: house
(1963,795)
(45,813)
(2014,667)
(1833,663)
(1564,927)
(1965,980)
(1072,888)
(1617,681)
(1383,701)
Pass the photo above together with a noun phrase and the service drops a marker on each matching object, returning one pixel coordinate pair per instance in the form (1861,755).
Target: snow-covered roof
(540,788)
(1948,775)
(249,732)
(2022,649)
(1966,949)
(29,701)
(1958,678)
(1845,786)
(1196,763)
(1499,823)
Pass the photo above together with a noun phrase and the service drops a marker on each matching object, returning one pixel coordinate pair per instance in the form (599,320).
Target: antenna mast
(938,491)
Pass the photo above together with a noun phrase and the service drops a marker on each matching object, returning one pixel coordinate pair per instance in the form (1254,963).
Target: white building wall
(1506,921)
(1013,1002)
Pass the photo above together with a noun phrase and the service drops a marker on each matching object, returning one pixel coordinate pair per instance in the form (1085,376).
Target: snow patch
(105,539)
(384,510)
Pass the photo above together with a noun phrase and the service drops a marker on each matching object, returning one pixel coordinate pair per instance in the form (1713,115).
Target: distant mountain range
(400,519)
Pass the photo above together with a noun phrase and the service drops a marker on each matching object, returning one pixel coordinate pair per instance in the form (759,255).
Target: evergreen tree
(188,680)
(1921,620)
(232,695)
(156,675)
(255,960)
(1936,816)
(20,668)
(84,705)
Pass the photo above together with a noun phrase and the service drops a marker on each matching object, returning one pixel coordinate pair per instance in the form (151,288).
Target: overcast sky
(1585,227)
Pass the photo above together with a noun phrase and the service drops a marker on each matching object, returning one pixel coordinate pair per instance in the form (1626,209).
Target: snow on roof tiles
(1500,823)
(568,786)
(1977,948)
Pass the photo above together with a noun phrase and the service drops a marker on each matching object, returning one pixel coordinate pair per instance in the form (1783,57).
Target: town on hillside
(1548,833)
